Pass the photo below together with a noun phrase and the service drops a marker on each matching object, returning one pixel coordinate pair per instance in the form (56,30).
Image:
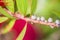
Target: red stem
(18,16)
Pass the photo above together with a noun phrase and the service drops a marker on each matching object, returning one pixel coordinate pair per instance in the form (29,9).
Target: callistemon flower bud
(2,3)
(38,18)
(57,22)
(50,20)
(33,17)
(42,18)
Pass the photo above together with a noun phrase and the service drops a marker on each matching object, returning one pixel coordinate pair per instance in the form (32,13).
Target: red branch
(18,16)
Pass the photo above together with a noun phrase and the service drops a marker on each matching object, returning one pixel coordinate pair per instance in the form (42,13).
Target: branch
(44,22)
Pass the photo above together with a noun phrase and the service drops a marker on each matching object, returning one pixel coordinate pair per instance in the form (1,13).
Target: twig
(18,16)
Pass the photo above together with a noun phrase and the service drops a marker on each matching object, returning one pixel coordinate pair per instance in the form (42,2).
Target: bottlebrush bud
(38,18)
(42,19)
(33,17)
(57,22)
(2,3)
(50,20)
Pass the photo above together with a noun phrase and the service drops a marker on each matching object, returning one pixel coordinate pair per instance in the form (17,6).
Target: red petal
(18,26)
(30,33)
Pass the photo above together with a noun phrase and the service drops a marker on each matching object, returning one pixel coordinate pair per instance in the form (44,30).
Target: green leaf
(56,9)
(22,6)
(33,6)
(57,13)
(8,27)
(2,11)
(2,19)
(10,5)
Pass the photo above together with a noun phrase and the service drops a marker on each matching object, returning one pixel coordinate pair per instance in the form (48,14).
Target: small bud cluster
(49,22)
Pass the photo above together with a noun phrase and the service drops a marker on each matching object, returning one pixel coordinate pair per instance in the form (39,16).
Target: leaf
(21,35)
(57,13)
(33,6)
(8,27)
(56,9)
(22,6)
(10,5)
(2,11)
(2,19)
